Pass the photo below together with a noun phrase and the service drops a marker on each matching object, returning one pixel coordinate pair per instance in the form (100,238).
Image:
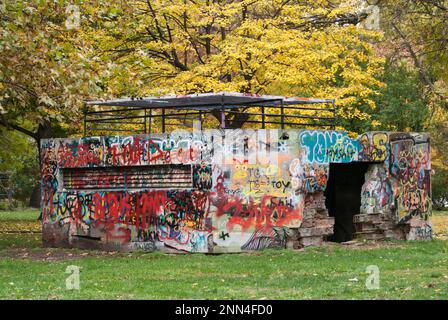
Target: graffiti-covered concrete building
(230,190)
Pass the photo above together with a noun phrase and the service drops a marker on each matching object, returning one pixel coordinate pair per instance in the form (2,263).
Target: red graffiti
(136,152)
(129,153)
(79,155)
(127,208)
(271,211)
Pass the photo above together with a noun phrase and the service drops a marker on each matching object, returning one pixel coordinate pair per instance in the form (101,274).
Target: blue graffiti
(329,146)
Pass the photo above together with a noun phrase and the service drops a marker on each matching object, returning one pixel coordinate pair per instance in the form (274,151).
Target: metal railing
(102,118)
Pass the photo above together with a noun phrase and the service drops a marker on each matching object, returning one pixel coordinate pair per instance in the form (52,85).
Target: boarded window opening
(137,177)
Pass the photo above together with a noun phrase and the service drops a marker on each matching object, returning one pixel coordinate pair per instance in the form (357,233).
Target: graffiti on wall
(376,192)
(266,238)
(178,218)
(423,232)
(328,146)
(173,191)
(202,176)
(373,146)
(410,167)
(308,177)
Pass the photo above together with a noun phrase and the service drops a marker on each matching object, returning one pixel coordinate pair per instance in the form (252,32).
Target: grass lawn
(408,270)
(19,215)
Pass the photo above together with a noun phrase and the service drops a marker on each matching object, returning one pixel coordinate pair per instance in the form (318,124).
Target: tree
(19,162)
(43,75)
(418,31)
(43,78)
(300,48)
(402,104)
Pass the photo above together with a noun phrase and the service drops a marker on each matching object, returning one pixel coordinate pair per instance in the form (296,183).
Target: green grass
(416,270)
(20,240)
(22,215)
(408,270)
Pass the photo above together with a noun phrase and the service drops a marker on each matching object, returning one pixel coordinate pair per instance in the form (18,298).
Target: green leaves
(402,105)
(42,75)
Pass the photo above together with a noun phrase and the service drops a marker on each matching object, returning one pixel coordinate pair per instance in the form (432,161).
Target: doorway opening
(343,197)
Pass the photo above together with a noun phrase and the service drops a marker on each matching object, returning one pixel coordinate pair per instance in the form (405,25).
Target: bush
(5,205)
(440,189)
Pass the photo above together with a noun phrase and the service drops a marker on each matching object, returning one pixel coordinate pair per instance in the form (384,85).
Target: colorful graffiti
(248,213)
(328,146)
(376,193)
(410,167)
(177,217)
(202,176)
(373,146)
(308,177)
(174,191)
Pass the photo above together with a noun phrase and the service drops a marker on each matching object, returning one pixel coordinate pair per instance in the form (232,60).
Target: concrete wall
(224,191)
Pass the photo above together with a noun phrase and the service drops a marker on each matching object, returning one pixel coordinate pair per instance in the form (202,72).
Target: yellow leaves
(375,123)
(246,45)
(20,227)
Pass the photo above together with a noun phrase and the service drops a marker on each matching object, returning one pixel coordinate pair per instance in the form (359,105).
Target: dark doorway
(343,197)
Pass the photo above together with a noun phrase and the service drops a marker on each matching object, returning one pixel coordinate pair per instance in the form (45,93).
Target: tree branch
(422,71)
(8,125)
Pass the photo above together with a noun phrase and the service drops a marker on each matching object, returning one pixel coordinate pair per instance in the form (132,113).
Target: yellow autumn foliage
(292,48)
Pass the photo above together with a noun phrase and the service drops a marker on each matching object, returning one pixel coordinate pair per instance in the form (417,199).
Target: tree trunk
(233,121)
(35,197)
(43,131)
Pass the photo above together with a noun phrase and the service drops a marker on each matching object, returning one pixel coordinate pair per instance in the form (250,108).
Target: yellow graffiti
(379,143)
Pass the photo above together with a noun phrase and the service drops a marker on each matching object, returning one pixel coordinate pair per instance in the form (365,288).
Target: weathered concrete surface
(197,192)
(395,198)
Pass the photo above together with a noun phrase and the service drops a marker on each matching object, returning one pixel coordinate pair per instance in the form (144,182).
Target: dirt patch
(61,254)
(364,245)
(53,254)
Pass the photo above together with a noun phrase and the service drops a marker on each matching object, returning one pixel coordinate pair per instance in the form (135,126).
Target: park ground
(408,270)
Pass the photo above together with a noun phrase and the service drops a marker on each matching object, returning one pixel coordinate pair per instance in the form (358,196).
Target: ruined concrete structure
(195,192)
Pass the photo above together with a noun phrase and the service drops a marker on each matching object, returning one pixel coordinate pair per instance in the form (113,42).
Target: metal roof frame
(111,111)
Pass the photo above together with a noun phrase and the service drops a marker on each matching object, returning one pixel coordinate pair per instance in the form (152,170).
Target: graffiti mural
(308,177)
(410,167)
(373,146)
(329,146)
(376,193)
(202,176)
(200,192)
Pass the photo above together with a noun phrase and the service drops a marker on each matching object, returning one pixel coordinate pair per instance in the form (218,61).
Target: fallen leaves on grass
(440,226)
(20,227)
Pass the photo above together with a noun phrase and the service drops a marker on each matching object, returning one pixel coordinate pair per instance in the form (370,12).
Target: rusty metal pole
(150,121)
(282,113)
(145,120)
(263,124)
(334,114)
(223,116)
(85,118)
(163,120)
